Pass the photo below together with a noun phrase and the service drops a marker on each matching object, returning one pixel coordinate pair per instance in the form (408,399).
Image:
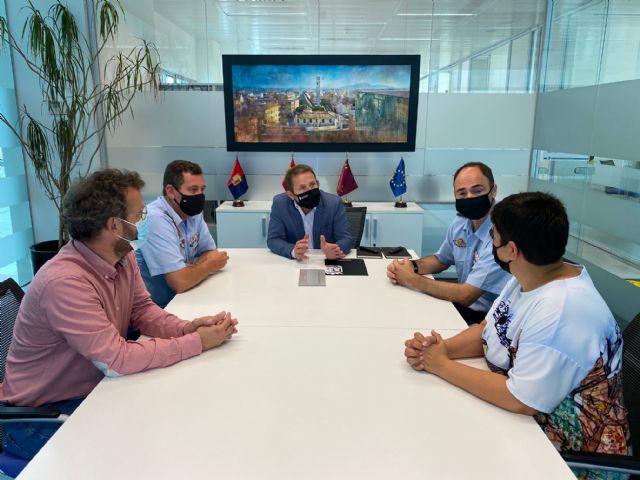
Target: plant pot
(42,252)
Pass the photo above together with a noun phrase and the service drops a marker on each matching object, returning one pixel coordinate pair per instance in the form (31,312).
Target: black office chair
(356,217)
(10,297)
(631,391)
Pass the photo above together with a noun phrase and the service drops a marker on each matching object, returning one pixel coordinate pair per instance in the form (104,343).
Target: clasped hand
(215,259)
(213,330)
(428,353)
(400,272)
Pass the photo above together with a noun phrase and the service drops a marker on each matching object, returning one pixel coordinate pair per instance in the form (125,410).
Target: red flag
(346,182)
(237,182)
(291,165)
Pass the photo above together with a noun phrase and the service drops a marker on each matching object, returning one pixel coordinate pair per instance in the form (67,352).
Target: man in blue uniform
(179,251)
(468,245)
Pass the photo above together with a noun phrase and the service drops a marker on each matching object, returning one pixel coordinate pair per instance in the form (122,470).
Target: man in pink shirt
(71,327)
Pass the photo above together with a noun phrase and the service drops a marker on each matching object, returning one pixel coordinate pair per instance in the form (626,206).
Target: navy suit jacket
(286,227)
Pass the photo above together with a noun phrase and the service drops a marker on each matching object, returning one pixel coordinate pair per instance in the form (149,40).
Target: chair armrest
(602,461)
(10,413)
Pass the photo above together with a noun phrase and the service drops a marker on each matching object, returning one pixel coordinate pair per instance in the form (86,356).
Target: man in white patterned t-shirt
(549,339)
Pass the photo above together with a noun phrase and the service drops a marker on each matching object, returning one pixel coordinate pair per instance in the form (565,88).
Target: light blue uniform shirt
(472,254)
(171,245)
(307,222)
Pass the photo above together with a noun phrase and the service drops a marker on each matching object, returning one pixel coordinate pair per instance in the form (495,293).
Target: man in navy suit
(304,217)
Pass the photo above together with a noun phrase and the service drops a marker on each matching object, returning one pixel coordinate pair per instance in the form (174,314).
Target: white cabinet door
(394,230)
(242,230)
(366,234)
(384,226)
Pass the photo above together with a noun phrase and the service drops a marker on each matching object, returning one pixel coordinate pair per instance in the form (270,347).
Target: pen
(393,251)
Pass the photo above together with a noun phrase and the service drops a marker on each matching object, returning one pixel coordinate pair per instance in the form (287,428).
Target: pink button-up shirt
(71,329)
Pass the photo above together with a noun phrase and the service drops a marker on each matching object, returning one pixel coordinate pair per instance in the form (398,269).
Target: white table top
(256,281)
(307,389)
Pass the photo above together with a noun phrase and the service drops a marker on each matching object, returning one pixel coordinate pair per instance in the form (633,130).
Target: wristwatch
(415,266)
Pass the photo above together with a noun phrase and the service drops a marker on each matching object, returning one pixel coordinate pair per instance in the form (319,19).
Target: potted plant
(81,99)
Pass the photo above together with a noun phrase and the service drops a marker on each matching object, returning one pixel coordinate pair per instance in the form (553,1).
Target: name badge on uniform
(459,242)
(194,240)
(476,257)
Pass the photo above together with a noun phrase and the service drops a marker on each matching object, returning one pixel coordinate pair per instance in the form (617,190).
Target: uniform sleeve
(541,376)
(206,242)
(486,274)
(445,252)
(82,321)
(161,251)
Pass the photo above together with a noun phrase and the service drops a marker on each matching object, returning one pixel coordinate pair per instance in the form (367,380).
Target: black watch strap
(415,266)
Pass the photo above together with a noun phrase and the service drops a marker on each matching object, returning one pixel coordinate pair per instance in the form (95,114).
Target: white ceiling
(442,31)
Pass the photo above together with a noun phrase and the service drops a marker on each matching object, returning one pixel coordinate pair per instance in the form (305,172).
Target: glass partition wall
(16,233)
(585,147)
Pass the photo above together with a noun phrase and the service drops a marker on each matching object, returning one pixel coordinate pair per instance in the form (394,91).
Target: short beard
(122,248)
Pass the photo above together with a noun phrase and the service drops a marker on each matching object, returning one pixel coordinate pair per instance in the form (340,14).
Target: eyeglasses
(142,214)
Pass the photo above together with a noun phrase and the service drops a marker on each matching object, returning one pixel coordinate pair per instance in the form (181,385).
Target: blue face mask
(142,228)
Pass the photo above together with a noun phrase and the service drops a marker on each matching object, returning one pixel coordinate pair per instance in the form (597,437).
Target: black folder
(369,252)
(350,266)
(395,252)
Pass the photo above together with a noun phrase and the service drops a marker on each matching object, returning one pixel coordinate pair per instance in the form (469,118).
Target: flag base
(347,203)
(400,204)
(238,203)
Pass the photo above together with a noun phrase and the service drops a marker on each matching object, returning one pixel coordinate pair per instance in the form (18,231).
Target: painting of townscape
(350,104)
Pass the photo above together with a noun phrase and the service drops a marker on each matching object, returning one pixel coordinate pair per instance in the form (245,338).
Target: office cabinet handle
(375,227)
(367,231)
(264,226)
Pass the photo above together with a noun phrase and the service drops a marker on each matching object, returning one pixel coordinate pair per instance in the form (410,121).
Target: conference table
(313,386)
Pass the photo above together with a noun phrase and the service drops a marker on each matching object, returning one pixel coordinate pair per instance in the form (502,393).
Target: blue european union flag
(397,183)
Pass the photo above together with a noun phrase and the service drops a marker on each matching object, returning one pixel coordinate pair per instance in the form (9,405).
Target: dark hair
(536,222)
(173,174)
(486,171)
(92,200)
(297,170)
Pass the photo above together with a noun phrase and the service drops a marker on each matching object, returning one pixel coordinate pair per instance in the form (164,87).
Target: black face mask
(309,199)
(191,205)
(474,208)
(503,265)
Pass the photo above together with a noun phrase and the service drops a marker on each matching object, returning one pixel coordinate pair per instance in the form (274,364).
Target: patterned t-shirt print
(502,317)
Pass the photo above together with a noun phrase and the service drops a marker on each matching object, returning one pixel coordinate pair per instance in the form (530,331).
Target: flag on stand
(397,183)
(291,165)
(346,182)
(237,182)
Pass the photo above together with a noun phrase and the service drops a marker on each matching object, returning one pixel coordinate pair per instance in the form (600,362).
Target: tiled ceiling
(442,31)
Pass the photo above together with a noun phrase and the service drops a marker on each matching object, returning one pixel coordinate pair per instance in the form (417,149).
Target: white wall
(452,129)
(180,52)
